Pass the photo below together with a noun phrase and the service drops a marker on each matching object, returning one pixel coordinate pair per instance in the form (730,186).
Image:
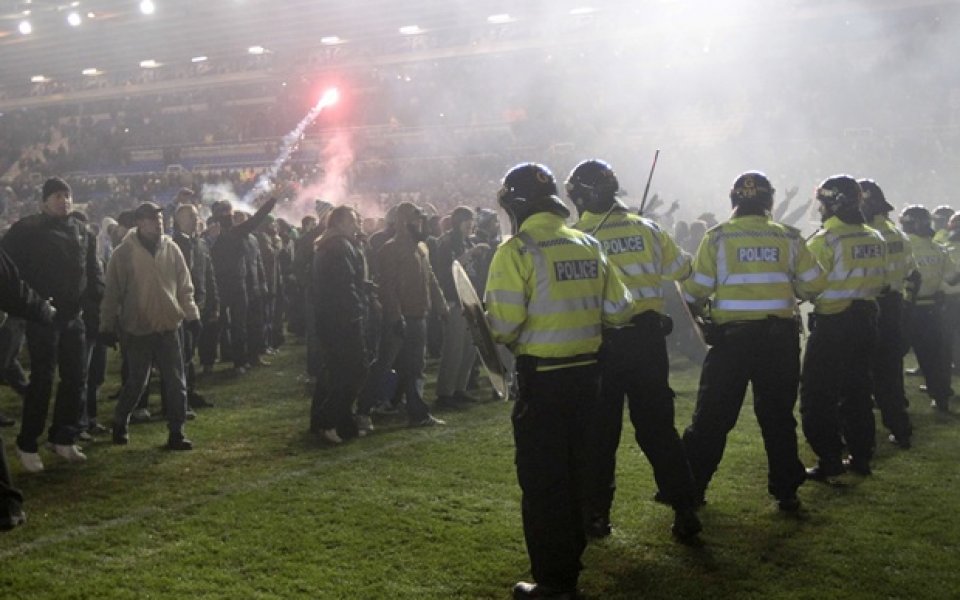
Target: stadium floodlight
(147,7)
(198,59)
(91,15)
(582,10)
(256,49)
(330,40)
(91,72)
(39,79)
(74,19)
(411,30)
(75,4)
(25,27)
(499,19)
(149,64)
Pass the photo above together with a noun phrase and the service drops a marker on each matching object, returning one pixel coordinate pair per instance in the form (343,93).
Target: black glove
(109,339)
(193,327)
(48,312)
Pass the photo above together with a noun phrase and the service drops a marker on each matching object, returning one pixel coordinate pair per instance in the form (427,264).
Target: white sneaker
(71,453)
(331,436)
(364,424)
(30,460)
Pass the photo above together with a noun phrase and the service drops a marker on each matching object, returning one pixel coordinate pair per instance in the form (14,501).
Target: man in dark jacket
(458,353)
(18,299)
(205,293)
(230,265)
(340,305)
(57,257)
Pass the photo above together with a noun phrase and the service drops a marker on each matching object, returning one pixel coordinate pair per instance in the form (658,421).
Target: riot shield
(480,330)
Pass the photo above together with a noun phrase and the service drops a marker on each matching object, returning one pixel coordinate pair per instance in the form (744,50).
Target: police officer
(752,270)
(951,298)
(835,403)
(941,218)
(635,361)
(924,324)
(549,294)
(886,367)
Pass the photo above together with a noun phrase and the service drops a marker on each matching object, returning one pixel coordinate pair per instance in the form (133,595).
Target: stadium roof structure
(67,37)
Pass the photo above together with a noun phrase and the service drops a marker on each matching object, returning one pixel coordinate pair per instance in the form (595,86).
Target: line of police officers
(581,308)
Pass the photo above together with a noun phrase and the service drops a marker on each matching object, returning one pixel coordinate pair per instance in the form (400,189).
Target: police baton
(646,190)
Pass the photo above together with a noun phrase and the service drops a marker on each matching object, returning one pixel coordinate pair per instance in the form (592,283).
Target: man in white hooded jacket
(148,294)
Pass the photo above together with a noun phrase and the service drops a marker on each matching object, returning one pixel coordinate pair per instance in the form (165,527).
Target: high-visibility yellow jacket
(550,291)
(854,257)
(941,236)
(752,268)
(900,261)
(953,250)
(643,253)
(935,267)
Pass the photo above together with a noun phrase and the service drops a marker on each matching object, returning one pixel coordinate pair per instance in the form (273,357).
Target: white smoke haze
(211,193)
(336,158)
(799,90)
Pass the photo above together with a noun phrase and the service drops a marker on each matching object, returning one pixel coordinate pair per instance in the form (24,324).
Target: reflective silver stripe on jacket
(754,305)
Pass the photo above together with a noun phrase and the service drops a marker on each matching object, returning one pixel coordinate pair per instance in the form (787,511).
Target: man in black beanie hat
(57,257)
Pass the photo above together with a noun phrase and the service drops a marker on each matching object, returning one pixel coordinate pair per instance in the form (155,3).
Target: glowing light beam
(289,145)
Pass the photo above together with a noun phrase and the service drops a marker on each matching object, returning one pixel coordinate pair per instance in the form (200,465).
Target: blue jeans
(142,351)
(408,352)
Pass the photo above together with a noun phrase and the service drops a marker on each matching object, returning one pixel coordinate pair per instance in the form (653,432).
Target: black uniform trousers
(550,433)
(11,499)
(52,347)
(766,354)
(835,403)
(342,376)
(634,363)
(925,335)
(887,367)
(951,328)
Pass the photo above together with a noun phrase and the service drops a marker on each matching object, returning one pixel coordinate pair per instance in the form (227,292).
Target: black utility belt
(540,362)
(755,324)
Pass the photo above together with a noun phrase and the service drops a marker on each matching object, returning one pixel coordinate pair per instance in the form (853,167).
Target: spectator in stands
(341,308)
(57,257)
(148,296)
(458,354)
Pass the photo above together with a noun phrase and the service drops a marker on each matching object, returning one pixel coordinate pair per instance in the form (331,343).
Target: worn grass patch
(261,510)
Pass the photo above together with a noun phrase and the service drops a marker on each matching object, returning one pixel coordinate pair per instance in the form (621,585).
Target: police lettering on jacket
(861,251)
(633,243)
(759,254)
(572,270)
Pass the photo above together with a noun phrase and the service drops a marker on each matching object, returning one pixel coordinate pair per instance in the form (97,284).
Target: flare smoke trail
(290,142)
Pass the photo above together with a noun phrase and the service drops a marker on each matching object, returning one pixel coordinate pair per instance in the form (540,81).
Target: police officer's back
(635,362)
(549,293)
(752,270)
(835,379)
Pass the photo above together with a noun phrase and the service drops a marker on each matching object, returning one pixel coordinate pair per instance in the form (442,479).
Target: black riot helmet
(840,196)
(527,189)
(592,187)
(752,192)
(874,202)
(941,216)
(916,219)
